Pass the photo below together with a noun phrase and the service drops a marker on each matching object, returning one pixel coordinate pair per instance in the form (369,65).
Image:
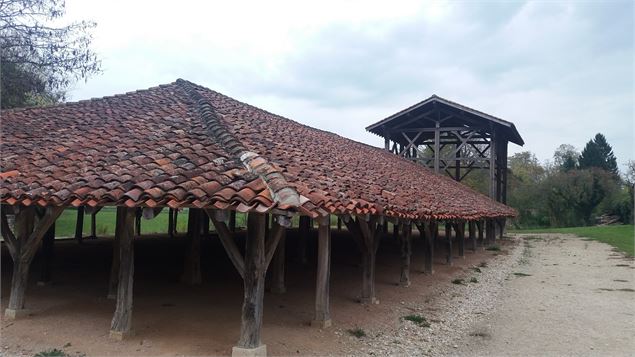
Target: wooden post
(303,236)
(322,318)
(138,213)
(278,267)
(426,231)
(254,288)
(437,147)
(489,231)
(232,221)
(480,227)
(448,238)
(79,224)
(204,223)
(501,223)
(460,237)
(22,247)
(395,231)
(192,268)
(367,235)
(171,222)
(339,224)
(48,250)
(113,283)
(493,151)
(406,252)
(121,326)
(176,221)
(472,233)
(93,225)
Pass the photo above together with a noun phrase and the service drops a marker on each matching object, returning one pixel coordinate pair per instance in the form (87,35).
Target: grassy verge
(621,237)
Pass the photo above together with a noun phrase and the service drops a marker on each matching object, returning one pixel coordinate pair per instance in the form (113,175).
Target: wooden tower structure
(453,139)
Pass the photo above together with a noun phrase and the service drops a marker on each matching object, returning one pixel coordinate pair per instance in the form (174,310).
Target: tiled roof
(183,145)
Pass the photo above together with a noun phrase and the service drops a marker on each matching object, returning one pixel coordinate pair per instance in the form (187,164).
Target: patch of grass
(619,236)
(458,281)
(473,280)
(476,269)
(417,319)
(494,248)
(357,332)
(626,289)
(522,274)
(51,353)
(483,265)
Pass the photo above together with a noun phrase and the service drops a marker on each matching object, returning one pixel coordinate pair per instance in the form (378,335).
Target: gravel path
(547,295)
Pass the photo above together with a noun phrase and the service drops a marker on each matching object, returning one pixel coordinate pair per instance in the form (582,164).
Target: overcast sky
(561,71)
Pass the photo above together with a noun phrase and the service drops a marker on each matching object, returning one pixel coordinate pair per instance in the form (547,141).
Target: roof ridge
(282,192)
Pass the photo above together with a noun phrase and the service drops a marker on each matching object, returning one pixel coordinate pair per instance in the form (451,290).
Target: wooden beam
(79,224)
(254,287)
(232,221)
(277,285)
(322,317)
(459,228)
(121,326)
(406,252)
(448,242)
(227,239)
(113,282)
(426,232)
(490,234)
(472,235)
(22,246)
(480,227)
(304,229)
(47,252)
(171,222)
(192,268)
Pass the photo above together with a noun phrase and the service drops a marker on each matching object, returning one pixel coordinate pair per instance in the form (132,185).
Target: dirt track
(578,299)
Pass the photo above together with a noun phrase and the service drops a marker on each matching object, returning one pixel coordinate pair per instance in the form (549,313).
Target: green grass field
(105,223)
(621,237)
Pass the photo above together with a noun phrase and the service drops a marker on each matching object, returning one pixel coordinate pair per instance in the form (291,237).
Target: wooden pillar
(254,287)
(448,242)
(232,221)
(501,222)
(93,225)
(277,285)
(426,231)
(339,224)
(171,222)
(490,234)
(480,227)
(472,233)
(367,235)
(204,224)
(304,229)
(395,231)
(192,268)
(137,229)
(437,147)
(113,283)
(252,267)
(48,250)
(322,318)
(460,237)
(22,246)
(121,326)
(493,151)
(79,224)
(406,252)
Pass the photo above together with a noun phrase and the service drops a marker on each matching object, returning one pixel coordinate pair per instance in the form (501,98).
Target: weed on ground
(417,319)
(357,332)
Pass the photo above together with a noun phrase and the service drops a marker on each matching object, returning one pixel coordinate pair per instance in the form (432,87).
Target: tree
(598,153)
(566,157)
(40,60)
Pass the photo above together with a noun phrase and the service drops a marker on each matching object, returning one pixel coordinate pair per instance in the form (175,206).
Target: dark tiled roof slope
(183,145)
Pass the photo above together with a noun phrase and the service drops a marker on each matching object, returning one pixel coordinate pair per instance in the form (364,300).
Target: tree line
(573,189)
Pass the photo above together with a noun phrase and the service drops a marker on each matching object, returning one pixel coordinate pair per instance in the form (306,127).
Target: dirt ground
(578,298)
(171,318)
(558,309)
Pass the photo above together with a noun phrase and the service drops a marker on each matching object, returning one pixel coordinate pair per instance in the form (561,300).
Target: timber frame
(451,139)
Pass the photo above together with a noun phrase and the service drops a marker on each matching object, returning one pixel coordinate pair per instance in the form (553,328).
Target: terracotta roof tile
(184,145)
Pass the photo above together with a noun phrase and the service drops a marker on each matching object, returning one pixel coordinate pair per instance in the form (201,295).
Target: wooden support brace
(113,282)
(277,285)
(22,246)
(322,318)
(369,235)
(472,235)
(459,228)
(226,237)
(79,224)
(121,326)
(426,231)
(480,227)
(448,242)
(406,252)
(192,269)
(48,251)
(304,229)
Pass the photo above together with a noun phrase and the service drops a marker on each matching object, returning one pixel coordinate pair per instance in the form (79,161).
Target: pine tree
(598,153)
